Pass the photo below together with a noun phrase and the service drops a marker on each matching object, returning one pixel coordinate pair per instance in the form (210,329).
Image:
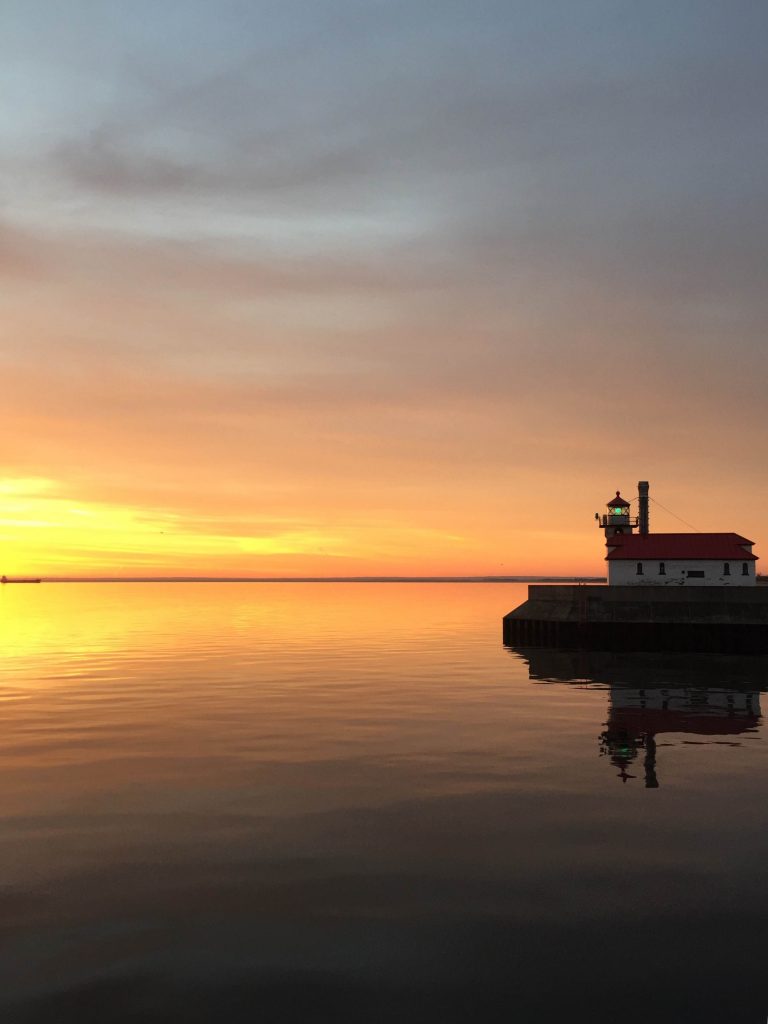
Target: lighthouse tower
(618,519)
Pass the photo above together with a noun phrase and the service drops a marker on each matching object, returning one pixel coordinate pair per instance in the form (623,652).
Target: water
(351,803)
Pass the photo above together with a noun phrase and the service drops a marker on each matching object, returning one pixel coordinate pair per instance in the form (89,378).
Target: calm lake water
(349,802)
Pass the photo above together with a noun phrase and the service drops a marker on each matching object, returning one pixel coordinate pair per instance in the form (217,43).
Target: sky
(347,287)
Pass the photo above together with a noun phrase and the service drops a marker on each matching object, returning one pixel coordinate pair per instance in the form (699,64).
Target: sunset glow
(270,308)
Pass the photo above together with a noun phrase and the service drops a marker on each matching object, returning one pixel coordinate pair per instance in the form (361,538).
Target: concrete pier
(614,618)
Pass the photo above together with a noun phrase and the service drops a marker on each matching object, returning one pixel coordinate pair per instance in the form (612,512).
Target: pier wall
(641,618)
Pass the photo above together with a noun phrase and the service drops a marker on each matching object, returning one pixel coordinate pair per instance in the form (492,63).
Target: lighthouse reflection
(637,718)
(653,698)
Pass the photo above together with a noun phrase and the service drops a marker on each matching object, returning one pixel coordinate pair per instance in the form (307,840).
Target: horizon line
(531,578)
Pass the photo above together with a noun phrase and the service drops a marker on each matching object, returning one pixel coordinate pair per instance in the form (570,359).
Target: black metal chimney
(642,494)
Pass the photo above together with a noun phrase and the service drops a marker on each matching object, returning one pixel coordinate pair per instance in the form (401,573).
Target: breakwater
(728,619)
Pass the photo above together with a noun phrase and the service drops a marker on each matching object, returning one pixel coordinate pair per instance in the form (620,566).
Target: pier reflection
(652,698)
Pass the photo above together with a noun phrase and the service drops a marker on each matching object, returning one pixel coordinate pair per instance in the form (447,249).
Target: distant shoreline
(323,579)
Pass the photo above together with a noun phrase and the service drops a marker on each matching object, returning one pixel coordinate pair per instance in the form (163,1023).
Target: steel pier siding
(728,619)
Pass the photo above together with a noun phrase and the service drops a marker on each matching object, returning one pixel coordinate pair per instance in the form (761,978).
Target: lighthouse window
(639,568)
(726,568)
(745,568)
(662,569)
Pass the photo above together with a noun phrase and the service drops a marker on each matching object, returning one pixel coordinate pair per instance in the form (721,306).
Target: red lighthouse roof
(618,500)
(722,547)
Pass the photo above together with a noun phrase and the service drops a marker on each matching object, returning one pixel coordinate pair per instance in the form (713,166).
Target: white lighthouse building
(637,557)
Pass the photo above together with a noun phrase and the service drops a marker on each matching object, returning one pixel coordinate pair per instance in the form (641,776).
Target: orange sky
(404,296)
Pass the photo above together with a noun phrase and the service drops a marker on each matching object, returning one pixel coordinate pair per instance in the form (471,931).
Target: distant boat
(19,579)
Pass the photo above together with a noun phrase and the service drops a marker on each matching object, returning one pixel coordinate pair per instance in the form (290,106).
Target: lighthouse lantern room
(618,519)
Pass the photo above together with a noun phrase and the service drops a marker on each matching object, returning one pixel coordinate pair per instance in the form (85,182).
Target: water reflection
(652,698)
(636,717)
(349,803)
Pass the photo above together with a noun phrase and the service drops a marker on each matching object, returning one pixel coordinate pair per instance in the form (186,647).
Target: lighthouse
(647,559)
(617,520)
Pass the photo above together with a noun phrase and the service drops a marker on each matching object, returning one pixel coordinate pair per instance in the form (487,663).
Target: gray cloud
(653,168)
